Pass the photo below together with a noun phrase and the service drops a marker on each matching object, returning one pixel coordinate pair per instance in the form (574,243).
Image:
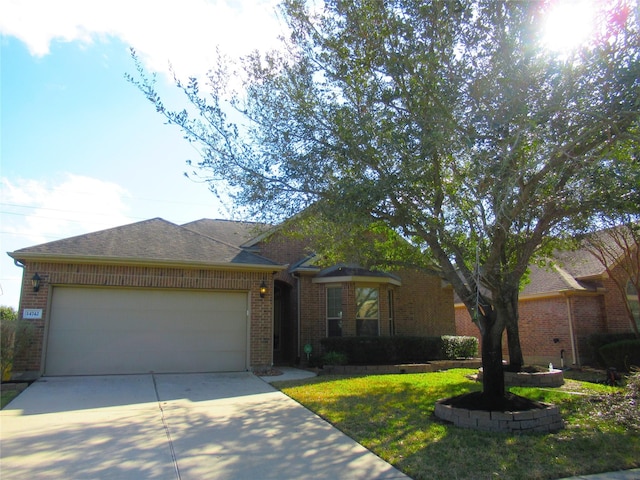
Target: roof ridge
(222,220)
(236,247)
(209,237)
(568,278)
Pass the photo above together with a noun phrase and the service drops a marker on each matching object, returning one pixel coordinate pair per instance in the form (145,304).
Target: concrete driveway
(189,426)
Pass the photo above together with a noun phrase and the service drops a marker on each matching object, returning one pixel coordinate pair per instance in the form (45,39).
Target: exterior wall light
(35,282)
(263,289)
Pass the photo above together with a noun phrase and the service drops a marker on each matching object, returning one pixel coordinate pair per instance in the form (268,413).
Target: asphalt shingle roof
(150,240)
(228,231)
(568,270)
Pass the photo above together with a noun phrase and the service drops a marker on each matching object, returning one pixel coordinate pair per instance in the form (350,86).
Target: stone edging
(552,378)
(543,420)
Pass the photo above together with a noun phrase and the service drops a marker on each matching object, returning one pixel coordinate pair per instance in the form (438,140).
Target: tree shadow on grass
(394,419)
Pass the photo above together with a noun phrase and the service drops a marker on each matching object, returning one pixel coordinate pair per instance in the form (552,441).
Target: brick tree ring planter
(550,378)
(544,419)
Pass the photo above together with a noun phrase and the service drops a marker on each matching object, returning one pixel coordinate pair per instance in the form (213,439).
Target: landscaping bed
(429,367)
(513,414)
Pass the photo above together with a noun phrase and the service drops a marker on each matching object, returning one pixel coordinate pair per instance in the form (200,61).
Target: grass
(392,415)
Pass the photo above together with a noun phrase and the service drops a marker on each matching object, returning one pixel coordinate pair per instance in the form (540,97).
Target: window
(366,311)
(633,301)
(334,311)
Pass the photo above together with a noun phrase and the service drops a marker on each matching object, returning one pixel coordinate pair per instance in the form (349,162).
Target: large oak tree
(443,120)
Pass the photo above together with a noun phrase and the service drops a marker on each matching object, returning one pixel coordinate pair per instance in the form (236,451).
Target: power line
(88,193)
(65,219)
(26,234)
(54,210)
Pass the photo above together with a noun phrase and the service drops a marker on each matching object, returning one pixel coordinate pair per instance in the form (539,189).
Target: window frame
(361,321)
(336,318)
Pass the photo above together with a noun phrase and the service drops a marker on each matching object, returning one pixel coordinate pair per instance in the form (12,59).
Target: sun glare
(568,24)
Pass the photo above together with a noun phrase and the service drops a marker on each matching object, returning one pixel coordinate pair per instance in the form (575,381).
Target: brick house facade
(560,308)
(141,277)
(410,302)
(208,259)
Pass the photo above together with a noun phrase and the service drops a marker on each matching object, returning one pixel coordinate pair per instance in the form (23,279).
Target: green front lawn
(7,396)
(392,415)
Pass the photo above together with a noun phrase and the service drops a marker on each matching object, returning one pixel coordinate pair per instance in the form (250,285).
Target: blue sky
(81,148)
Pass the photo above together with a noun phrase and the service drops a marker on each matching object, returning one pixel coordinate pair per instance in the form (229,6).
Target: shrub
(334,358)
(385,350)
(455,347)
(8,313)
(621,355)
(622,407)
(598,340)
(15,337)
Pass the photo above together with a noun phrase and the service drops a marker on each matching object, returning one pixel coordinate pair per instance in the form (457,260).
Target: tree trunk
(516,360)
(491,328)
(492,369)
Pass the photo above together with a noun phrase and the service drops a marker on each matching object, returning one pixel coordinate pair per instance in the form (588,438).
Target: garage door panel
(102,331)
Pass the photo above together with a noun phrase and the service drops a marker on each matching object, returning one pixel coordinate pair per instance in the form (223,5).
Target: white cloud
(185,32)
(35,212)
(40,211)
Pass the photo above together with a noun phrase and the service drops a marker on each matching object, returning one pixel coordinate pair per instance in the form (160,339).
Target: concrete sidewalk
(619,475)
(190,426)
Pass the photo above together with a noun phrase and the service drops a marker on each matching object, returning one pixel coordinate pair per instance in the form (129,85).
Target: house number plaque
(32,314)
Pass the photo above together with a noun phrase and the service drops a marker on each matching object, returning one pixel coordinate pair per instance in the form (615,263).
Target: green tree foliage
(443,121)
(8,313)
(15,337)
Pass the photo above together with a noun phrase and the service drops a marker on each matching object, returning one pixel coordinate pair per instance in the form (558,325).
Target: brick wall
(287,250)
(544,327)
(423,305)
(588,318)
(614,303)
(313,326)
(544,330)
(58,274)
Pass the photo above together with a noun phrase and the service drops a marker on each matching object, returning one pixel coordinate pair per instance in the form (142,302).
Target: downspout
(574,348)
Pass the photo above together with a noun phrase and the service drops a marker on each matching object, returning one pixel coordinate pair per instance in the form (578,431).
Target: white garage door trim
(98,331)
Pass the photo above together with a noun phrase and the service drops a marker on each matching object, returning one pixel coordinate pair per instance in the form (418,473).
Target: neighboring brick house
(560,307)
(210,295)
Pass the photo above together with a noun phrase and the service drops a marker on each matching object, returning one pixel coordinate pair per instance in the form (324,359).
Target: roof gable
(579,263)
(154,240)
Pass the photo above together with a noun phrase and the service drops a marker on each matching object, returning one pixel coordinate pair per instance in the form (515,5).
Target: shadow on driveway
(192,426)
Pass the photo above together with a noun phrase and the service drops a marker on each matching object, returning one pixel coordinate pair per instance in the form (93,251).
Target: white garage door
(95,331)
